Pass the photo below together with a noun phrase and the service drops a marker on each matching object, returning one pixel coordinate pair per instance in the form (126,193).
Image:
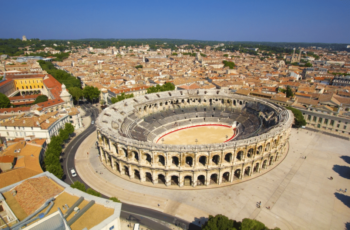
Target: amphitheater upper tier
(131,135)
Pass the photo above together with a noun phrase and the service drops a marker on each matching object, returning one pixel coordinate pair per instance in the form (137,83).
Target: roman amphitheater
(197,138)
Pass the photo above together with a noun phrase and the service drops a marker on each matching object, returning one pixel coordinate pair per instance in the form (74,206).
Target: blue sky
(233,20)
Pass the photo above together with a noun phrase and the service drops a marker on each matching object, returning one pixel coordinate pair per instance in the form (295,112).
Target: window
(309,117)
(344,126)
(5,127)
(338,125)
(326,121)
(320,120)
(332,122)
(315,118)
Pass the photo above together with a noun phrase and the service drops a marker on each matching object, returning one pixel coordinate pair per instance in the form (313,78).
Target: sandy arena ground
(204,135)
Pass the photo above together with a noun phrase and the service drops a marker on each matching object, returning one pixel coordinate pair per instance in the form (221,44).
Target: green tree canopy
(78,185)
(93,192)
(298,117)
(289,92)
(308,64)
(76,93)
(64,134)
(41,98)
(229,64)
(4,101)
(139,66)
(115,199)
(69,128)
(166,87)
(121,97)
(56,170)
(91,92)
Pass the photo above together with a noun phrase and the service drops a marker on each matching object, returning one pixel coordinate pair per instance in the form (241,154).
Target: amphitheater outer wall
(189,165)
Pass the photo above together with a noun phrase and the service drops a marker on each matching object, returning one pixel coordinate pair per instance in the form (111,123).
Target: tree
(219,222)
(308,64)
(229,64)
(93,192)
(166,87)
(289,92)
(41,98)
(50,159)
(78,185)
(64,134)
(121,97)
(56,170)
(4,101)
(298,117)
(76,93)
(114,199)
(138,66)
(69,128)
(91,93)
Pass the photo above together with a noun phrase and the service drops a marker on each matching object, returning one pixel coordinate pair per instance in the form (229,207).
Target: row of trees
(121,97)
(80,186)
(4,101)
(221,222)
(165,87)
(89,92)
(54,149)
(62,76)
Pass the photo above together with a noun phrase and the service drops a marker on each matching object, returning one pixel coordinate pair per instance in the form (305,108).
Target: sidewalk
(94,173)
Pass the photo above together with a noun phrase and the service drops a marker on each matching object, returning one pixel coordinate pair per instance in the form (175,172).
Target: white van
(137,226)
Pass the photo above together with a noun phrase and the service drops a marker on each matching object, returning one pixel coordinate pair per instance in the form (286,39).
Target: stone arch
(125,151)
(203,160)
(264,164)
(238,173)
(234,102)
(271,160)
(148,177)
(216,159)
(117,166)
(250,153)
(226,177)
(259,150)
(256,167)
(189,161)
(267,147)
(239,155)
(175,161)
(228,157)
(126,170)
(135,155)
(188,180)
(147,158)
(214,179)
(174,180)
(137,174)
(247,171)
(161,178)
(201,180)
(161,160)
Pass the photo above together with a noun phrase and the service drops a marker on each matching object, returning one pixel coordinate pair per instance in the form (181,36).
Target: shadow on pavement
(343,171)
(343,198)
(346,159)
(347,226)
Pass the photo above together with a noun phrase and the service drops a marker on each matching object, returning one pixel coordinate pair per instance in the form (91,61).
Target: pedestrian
(345,190)
(158,205)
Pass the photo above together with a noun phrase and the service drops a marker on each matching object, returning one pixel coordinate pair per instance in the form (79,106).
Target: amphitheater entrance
(189,161)
(216,159)
(201,180)
(149,177)
(203,160)
(256,167)
(137,174)
(161,179)
(126,170)
(264,164)
(247,171)
(226,177)
(214,178)
(175,161)
(237,174)
(174,180)
(188,181)
(228,157)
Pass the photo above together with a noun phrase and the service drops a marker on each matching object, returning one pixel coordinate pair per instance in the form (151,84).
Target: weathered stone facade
(189,165)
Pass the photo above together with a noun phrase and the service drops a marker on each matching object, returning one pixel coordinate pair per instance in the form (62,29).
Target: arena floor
(208,134)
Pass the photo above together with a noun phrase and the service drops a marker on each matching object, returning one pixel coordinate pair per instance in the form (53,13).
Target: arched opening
(241,103)
(271,160)
(216,159)
(148,158)
(237,174)
(234,102)
(239,155)
(189,161)
(161,160)
(214,178)
(276,157)
(226,177)
(117,166)
(175,161)
(149,177)
(161,179)
(210,101)
(126,170)
(264,164)
(228,157)
(247,171)
(137,174)
(275,143)
(267,147)
(203,160)
(136,156)
(250,153)
(256,167)
(201,180)
(259,150)
(125,153)
(188,181)
(174,180)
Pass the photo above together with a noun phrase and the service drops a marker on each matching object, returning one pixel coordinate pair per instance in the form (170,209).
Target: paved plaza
(298,190)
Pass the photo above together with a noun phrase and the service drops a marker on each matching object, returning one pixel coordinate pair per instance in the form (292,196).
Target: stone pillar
(101,154)
(167,180)
(154,178)
(194,181)
(220,178)
(207,181)
(113,165)
(121,167)
(131,173)
(181,180)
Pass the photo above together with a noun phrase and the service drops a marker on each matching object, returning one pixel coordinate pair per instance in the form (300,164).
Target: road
(129,212)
